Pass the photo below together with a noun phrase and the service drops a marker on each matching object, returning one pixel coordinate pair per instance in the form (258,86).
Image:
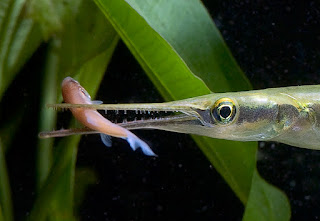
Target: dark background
(276,43)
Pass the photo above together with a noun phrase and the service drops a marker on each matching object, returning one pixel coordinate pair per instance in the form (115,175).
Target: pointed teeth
(128,116)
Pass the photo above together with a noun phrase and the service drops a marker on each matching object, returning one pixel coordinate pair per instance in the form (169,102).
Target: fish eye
(224,110)
(84,92)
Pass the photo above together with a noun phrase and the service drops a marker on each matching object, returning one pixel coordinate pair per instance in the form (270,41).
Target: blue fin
(106,140)
(96,102)
(136,142)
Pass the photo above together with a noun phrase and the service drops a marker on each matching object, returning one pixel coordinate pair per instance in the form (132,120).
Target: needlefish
(289,115)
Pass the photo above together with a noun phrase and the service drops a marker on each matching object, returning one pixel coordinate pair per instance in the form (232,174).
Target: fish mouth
(184,116)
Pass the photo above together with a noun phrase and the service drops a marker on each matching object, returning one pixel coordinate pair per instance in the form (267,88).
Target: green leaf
(9,127)
(45,204)
(5,192)
(271,201)
(57,190)
(47,118)
(1,214)
(15,31)
(81,40)
(173,40)
(162,64)
(188,28)
(48,14)
(84,178)
(169,72)
(19,38)
(82,49)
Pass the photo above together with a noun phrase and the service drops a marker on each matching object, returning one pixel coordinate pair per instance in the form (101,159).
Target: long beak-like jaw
(184,116)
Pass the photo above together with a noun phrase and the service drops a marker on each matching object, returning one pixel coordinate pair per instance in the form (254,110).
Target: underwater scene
(176,118)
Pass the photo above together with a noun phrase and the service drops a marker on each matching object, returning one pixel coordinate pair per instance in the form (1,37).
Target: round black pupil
(225,111)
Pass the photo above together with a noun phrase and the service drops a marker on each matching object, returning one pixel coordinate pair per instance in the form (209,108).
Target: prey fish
(74,93)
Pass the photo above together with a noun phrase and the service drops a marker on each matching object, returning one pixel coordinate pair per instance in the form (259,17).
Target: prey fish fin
(136,142)
(106,140)
(97,102)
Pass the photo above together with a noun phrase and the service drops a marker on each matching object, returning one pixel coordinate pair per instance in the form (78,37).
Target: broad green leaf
(266,197)
(169,72)
(154,54)
(172,40)
(188,28)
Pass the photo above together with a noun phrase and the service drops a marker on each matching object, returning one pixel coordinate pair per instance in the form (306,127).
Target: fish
(74,93)
(289,115)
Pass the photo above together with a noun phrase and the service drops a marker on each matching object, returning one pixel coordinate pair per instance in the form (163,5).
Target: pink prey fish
(74,93)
